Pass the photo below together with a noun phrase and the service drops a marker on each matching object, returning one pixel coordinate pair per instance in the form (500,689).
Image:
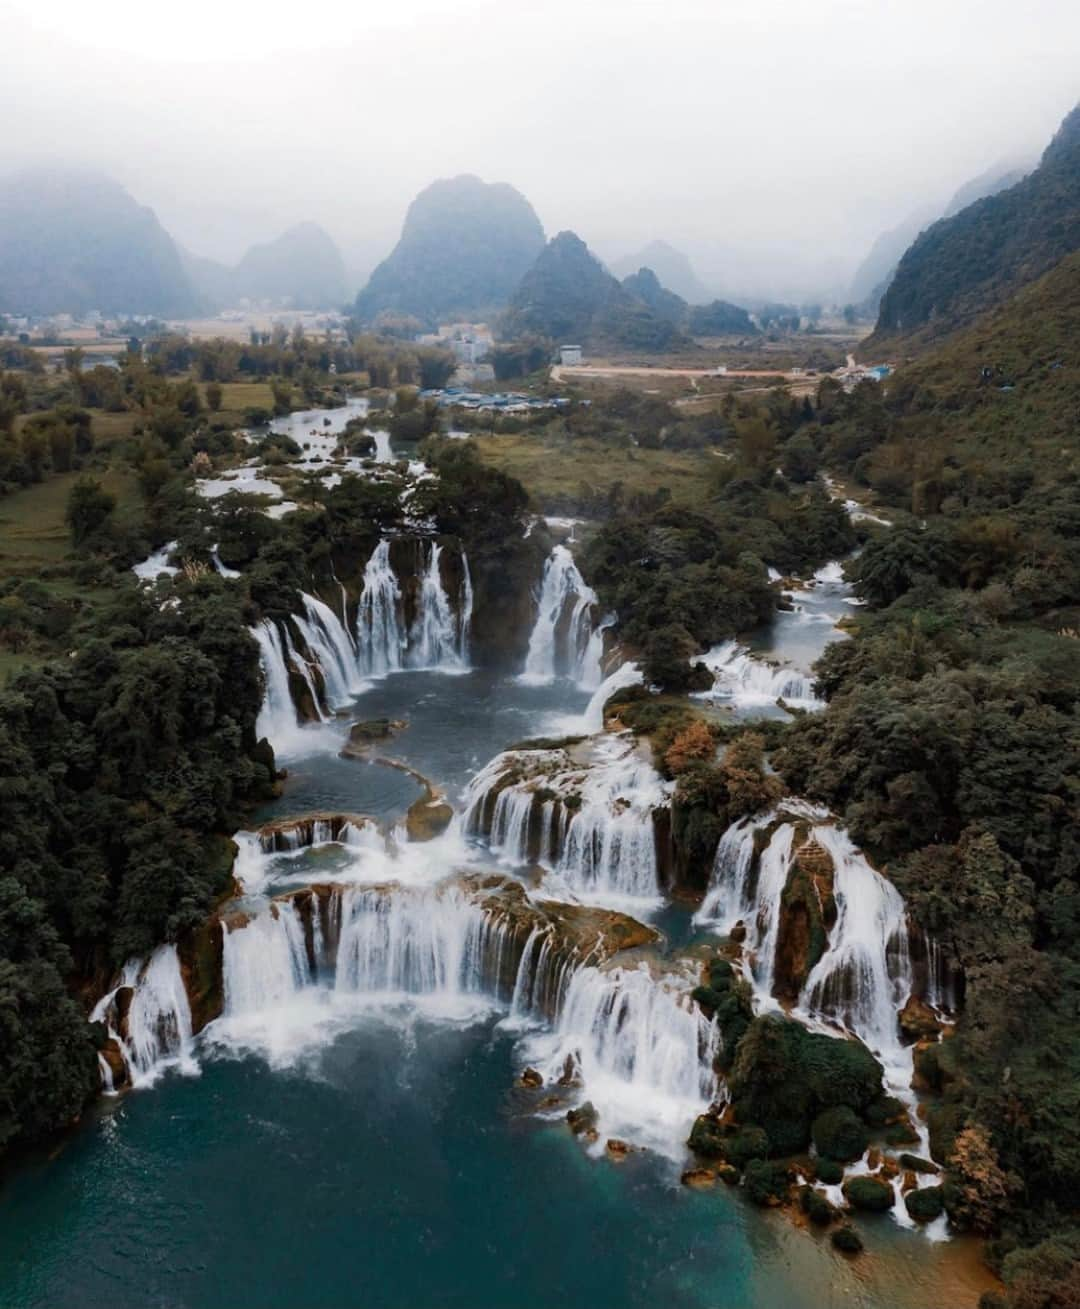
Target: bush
(830,1172)
(766,1182)
(847,1239)
(815,1206)
(839,1134)
(869,1193)
(746,1144)
(926,1204)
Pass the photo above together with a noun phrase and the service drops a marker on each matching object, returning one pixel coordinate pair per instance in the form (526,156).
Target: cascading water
(643,1049)
(330,646)
(751,683)
(563,640)
(277,716)
(625,675)
(153,1028)
(591,824)
(438,637)
(379,636)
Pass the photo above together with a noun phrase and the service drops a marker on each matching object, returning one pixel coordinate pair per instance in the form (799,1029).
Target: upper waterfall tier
(566,641)
(414,612)
(589,820)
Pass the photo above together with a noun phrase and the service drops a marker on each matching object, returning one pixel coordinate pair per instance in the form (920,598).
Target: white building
(570,355)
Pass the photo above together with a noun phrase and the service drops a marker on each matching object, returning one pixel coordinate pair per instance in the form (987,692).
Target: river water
(381,1155)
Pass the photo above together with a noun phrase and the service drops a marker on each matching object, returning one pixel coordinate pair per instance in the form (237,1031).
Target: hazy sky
(772,139)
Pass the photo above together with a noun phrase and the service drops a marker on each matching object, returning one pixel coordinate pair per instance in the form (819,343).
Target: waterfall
(153,1024)
(748,682)
(590,668)
(562,640)
(157,564)
(865,975)
(330,646)
(438,637)
(623,676)
(277,717)
(643,1049)
(728,899)
(383,453)
(590,824)
(265,962)
(220,567)
(379,636)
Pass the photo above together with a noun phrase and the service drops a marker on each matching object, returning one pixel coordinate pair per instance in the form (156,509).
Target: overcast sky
(769,138)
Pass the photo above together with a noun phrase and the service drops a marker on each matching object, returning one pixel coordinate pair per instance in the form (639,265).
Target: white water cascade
(750,683)
(625,675)
(329,644)
(438,637)
(277,717)
(590,824)
(154,1032)
(642,1048)
(564,641)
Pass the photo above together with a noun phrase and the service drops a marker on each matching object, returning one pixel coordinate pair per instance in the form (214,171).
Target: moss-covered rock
(815,1206)
(926,1204)
(766,1182)
(745,1144)
(784,1076)
(871,1194)
(707,1137)
(918,1022)
(884,1110)
(917,1164)
(943,1122)
(830,1172)
(847,1239)
(583,1119)
(807,914)
(839,1133)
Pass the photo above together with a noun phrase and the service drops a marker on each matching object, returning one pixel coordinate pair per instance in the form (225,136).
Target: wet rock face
(807,914)
(918,1022)
(113,1056)
(311,829)
(504,606)
(427,819)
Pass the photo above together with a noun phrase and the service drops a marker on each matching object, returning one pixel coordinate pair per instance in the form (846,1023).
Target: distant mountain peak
(464,246)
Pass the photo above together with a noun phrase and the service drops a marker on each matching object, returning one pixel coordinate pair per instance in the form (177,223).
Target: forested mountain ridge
(75,241)
(968,263)
(568,296)
(464,247)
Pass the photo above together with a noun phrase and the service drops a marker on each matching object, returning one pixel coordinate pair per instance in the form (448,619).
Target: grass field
(558,474)
(238,396)
(33,533)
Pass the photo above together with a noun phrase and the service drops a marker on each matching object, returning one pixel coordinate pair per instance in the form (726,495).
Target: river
(376,1150)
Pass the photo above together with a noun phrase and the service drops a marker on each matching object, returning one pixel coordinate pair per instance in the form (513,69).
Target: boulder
(583,1119)
(766,1182)
(815,1206)
(917,1164)
(428,818)
(839,1133)
(530,1077)
(363,735)
(707,1137)
(869,1193)
(830,1172)
(616,1148)
(847,1239)
(926,1204)
(701,1179)
(918,1022)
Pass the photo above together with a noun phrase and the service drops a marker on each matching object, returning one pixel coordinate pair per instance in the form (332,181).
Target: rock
(847,1239)
(816,1207)
(830,1172)
(707,1137)
(807,913)
(873,1159)
(114,1057)
(550,1102)
(868,1193)
(766,1182)
(738,933)
(745,1144)
(918,1022)
(917,1164)
(583,1119)
(570,1075)
(530,1077)
(701,1179)
(728,1174)
(616,1148)
(839,1133)
(909,1182)
(374,729)
(926,1204)
(884,1110)
(427,819)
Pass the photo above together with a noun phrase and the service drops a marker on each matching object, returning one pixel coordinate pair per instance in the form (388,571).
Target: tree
(89,508)
(215,393)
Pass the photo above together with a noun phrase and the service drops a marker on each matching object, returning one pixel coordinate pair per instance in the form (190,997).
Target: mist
(772,142)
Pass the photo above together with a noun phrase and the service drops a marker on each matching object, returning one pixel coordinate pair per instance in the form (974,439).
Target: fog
(772,140)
